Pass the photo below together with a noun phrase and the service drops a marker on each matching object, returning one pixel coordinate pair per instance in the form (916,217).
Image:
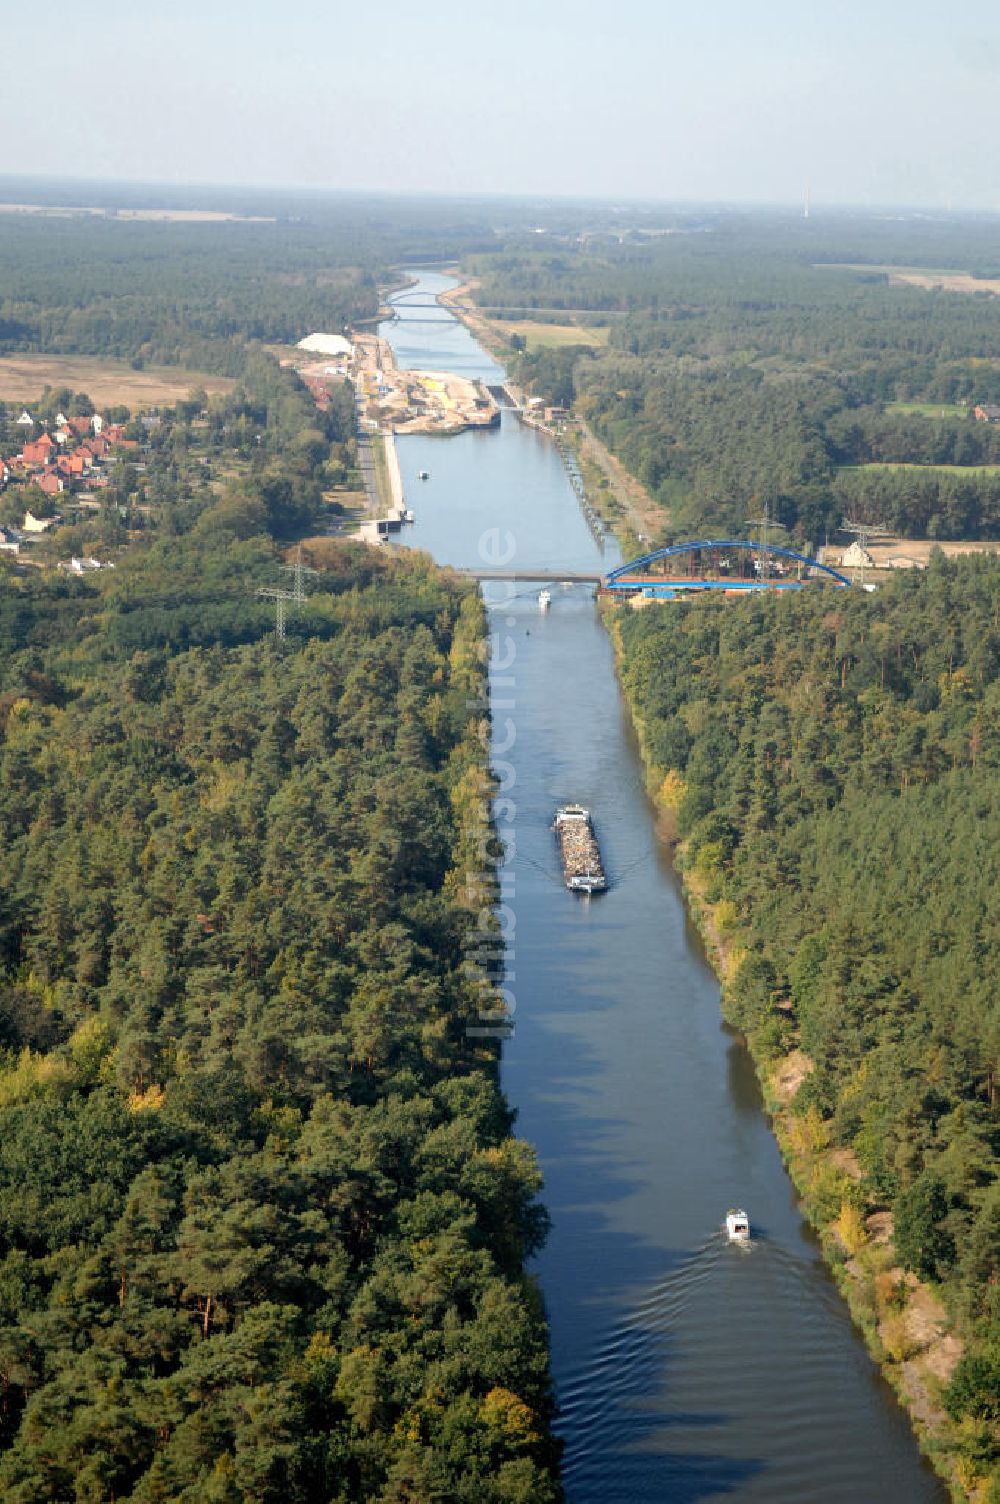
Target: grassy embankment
(382,483)
(904,1324)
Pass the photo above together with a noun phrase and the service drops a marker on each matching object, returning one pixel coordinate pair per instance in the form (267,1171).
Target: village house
(82,566)
(10,540)
(75,464)
(987,412)
(82,445)
(37,452)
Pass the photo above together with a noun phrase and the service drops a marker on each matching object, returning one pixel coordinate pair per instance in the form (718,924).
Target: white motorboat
(737,1226)
(544,599)
(408,516)
(423,475)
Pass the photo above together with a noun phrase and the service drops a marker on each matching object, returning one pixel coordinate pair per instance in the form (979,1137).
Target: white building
(33,524)
(83,566)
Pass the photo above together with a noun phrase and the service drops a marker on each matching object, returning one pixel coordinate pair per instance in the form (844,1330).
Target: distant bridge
(418,300)
(537,576)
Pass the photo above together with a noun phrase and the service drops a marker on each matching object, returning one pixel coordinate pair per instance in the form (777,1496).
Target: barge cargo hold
(581,857)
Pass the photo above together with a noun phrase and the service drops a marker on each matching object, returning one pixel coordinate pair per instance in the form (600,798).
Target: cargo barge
(581,857)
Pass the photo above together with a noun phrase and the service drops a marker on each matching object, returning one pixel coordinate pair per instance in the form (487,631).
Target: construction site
(395,401)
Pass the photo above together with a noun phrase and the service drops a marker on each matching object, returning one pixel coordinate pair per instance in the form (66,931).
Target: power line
(765,523)
(298,571)
(281,598)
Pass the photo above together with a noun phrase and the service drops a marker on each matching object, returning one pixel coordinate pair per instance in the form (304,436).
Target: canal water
(685,1368)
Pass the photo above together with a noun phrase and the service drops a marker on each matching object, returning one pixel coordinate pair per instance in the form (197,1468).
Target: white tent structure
(326,344)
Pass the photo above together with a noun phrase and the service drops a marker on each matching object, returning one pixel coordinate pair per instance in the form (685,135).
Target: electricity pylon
(298,571)
(764,523)
(280,599)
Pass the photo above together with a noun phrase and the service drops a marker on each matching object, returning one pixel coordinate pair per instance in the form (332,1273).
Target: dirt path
(645,516)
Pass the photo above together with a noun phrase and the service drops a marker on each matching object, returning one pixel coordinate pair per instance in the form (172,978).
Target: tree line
(834,760)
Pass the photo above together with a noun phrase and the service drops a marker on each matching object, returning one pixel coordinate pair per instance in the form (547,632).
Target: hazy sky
(891,101)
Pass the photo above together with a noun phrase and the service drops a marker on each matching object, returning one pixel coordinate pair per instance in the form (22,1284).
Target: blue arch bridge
(682,570)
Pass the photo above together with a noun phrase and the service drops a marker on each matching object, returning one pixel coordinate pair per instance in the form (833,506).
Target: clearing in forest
(947,279)
(553,336)
(913,465)
(929,409)
(114,383)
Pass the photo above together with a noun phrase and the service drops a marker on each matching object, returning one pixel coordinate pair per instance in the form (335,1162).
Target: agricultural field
(944,279)
(23,378)
(553,336)
(928,409)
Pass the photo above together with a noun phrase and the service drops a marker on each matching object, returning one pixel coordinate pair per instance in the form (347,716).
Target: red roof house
(38,451)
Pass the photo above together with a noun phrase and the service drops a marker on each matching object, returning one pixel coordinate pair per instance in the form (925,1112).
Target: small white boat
(408,516)
(423,475)
(544,599)
(737,1226)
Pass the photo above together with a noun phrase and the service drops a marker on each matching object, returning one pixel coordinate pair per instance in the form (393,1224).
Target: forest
(833,759)
(264,1219)
(205,295)
(760,359)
